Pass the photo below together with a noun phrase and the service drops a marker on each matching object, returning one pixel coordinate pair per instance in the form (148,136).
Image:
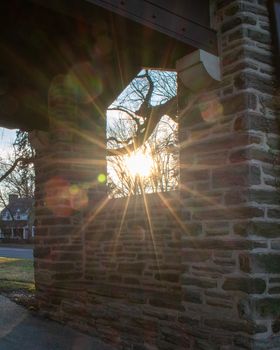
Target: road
(20,253)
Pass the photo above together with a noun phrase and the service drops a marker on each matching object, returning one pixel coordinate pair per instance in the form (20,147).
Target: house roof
(18,206)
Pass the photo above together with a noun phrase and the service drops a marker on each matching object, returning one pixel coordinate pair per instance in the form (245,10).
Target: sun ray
(92,216)
(172,211)
(69,128)
(197,194)
(147,210)
(116,240)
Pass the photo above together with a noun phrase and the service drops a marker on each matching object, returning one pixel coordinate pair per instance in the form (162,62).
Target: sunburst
(139,164)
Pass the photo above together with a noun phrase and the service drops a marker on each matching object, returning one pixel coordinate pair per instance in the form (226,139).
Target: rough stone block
(235,326)
(228,213)
(245,284)
(274,290)
(271,197)
(192,296)
(199,282)
(239,102)
(267,307)
(192,229)
(168,302)
(247,80)
(167,277)
(236,175)
(134,268)
(273,213)
(252,153)
(244,262)
(255,121)
(219,244)
(196,175)
(67,276)
(41,252)
(269,263)
(264,229)
(195,256)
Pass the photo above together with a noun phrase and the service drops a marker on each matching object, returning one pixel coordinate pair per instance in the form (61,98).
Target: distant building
(16,218)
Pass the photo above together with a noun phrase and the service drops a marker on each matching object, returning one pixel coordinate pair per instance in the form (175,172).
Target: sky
(7,137)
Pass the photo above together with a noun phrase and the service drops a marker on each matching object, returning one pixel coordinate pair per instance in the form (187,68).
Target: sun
(139,164)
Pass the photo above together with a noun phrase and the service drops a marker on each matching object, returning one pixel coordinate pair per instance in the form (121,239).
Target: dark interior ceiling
(184,20)
(40,40)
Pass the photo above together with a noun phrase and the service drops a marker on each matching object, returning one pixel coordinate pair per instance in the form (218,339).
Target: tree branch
(151,118)
(14,165)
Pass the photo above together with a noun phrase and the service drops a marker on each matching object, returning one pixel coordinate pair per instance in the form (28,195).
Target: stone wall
(129,292)
(191,270)
(230,174)
(133,267)
(66,180)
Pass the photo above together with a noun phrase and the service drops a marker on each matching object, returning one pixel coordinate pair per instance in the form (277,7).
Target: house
(16,219)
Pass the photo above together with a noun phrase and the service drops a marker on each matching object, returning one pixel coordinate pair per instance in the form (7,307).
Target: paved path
(20,253)
(19,330)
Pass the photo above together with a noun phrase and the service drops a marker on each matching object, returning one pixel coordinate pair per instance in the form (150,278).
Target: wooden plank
(186,21)
(177,19)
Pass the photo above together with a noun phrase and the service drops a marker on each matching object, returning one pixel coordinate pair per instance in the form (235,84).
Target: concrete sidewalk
(21,330)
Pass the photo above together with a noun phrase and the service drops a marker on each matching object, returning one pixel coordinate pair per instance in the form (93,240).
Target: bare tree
(150,96)
(140,122)
(17,176)
(162,148)
(16,170)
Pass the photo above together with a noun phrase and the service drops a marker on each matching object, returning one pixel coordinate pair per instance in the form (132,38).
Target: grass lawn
(16,274)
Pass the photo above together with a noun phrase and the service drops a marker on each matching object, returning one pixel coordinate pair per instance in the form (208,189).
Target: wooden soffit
(41,39)
(184,20)
(187,21)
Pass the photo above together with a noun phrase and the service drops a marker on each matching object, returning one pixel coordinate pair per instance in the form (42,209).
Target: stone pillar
(70,168)
(229,136)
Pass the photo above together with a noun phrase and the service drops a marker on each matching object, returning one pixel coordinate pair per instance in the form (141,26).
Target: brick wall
(191,270)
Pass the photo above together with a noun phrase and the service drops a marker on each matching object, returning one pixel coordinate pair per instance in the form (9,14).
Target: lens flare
(139,164)
(85,81)
(104,45)
(101,178)
(62,198)
(211,111)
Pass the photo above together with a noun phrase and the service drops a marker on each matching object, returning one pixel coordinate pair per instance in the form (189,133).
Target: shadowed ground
(21,330)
